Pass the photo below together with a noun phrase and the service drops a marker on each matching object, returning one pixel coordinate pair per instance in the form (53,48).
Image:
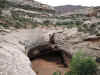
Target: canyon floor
(43,67)
(48,64)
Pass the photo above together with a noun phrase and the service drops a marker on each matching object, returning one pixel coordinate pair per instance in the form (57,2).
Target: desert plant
(46,22)
(4,25)
(82,65)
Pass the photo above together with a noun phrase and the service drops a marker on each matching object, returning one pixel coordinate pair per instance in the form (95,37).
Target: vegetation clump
(82,65)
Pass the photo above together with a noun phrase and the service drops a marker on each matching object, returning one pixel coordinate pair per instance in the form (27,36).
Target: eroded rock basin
(44,67)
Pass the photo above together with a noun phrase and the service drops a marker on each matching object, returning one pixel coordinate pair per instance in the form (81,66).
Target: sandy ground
(43,67)
(48,64)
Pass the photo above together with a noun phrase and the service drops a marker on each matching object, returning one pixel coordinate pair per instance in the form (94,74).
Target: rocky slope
(24,13)
(86,19)
(67,8)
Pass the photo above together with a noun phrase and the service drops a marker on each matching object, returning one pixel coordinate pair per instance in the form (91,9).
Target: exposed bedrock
(15,50)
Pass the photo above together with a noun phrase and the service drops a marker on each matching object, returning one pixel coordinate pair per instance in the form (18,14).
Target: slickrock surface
(12,59)
(14,46)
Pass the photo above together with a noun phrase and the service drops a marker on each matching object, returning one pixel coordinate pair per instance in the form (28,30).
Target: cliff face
(67,8)
(29,4)
(25,12)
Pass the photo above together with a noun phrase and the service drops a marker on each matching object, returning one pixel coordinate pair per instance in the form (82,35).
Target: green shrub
(65,23)
(46,22)
(4,25)
(82,65)
(70,24)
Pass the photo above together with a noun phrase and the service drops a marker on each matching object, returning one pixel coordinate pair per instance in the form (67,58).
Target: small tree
(82,65)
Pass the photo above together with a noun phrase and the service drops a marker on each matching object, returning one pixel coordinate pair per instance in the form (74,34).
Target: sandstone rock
(13,61)
(35,38)
(13,54)
(90,27)
(14,10)
(98,71)
(5,30)
(69,40)
(72,43)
